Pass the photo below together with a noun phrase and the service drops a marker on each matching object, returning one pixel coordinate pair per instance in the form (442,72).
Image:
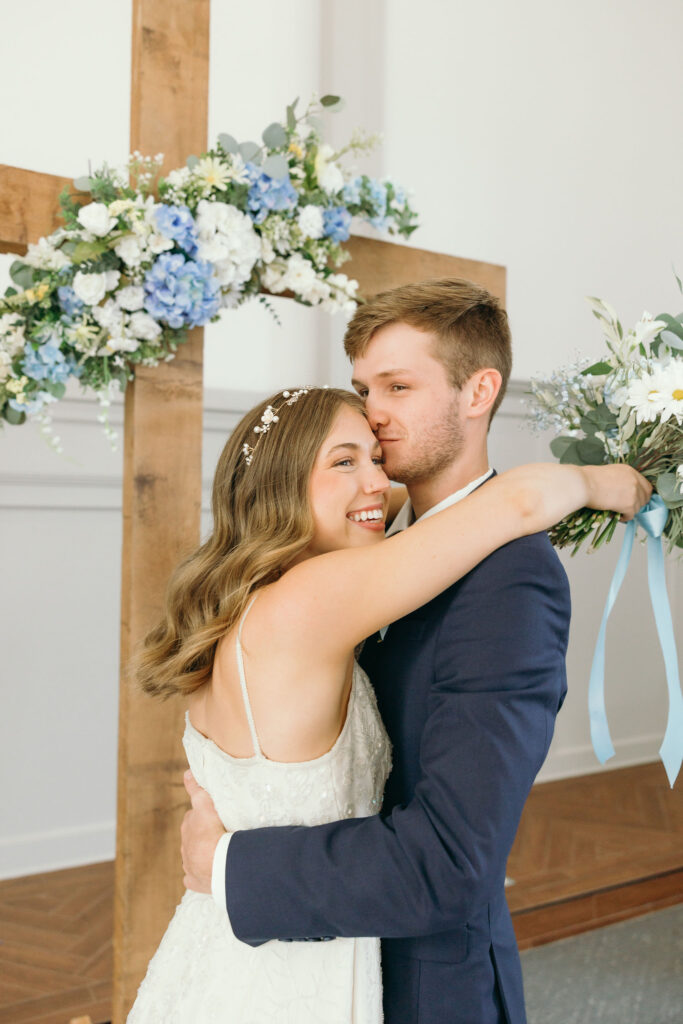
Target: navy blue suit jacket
(468,686)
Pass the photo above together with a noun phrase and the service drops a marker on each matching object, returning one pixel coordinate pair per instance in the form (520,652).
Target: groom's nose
(377,417)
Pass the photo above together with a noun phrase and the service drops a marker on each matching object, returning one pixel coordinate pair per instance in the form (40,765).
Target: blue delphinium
(337,223)
(69,301)
(180,292)
(267,194)
(352,189)
(47,362)
(177,222)
(378,198)
(35,403)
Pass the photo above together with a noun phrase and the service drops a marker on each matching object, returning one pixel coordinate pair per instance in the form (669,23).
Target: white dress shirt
(404,518)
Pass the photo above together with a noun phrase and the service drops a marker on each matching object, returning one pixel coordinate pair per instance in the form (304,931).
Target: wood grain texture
(29,206)
(378,266)
(161,509)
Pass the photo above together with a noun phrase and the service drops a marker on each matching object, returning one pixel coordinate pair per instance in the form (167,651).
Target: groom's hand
(199,835)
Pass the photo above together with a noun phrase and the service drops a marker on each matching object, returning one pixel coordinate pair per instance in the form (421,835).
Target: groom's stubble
(437,445)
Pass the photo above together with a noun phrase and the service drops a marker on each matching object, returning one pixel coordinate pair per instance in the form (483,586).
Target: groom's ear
(480,392)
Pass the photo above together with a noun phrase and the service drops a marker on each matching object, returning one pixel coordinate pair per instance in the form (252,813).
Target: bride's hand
(617,488)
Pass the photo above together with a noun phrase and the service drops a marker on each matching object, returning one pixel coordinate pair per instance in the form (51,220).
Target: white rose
(311,221)
(273,278)
(113,278)
(143,326)
(96,219)
(331,179)
(90,288)
(131,298)
(129,250)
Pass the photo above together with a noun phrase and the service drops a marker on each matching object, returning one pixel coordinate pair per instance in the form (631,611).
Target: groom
(468,687)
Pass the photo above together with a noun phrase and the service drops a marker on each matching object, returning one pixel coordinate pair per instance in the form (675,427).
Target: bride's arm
(335,600)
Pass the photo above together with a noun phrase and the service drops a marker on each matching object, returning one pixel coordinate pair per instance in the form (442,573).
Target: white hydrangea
(330,177)
(226,238)
(274,277)
(130,250)
(131,298)
(110,316)
(121,343)
(5,364)
(44,256)
(12,337)
(144,326)
(311,222)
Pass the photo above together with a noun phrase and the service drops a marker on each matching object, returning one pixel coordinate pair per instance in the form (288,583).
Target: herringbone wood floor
(589,851)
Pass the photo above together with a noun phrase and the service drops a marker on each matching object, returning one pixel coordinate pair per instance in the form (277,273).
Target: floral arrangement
(628,407)
(141,259)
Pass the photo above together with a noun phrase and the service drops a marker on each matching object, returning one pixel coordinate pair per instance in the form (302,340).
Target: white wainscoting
(60,538)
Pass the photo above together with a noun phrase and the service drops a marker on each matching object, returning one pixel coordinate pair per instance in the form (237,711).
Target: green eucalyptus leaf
(249,151)
(291,117)
(597,370)
(56,389)
(275,136)
(88,251)
(559,446)
(83,184)
(21,274)
(192,162)
(672,324)
(591,452)
(13,416)
(276,166)
(229,144)
(669,488)
(329,101)
(678,281)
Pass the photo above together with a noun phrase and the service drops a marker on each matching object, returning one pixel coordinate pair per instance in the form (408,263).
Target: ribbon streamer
(652,517)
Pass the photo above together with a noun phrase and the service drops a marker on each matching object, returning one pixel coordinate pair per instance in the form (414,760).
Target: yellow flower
(296,149)
(16,386)
(120,206)
(36,294)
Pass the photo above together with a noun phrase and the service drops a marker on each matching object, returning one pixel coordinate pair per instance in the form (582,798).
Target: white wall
(532,135)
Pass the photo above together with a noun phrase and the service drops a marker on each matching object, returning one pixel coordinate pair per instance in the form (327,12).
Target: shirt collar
(405,516)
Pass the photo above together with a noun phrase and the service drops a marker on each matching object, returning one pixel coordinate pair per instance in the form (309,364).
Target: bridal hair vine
(270,416)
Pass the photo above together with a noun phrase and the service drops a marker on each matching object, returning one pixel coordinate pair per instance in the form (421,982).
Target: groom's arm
(424,867)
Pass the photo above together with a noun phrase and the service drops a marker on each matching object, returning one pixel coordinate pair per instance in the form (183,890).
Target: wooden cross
(162,465)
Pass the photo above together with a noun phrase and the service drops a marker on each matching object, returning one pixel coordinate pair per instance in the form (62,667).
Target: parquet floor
(589,851)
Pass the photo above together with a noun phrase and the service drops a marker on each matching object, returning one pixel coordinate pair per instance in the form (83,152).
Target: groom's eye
(399,387)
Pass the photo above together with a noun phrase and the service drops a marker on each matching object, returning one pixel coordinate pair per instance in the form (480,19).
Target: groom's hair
(469,325)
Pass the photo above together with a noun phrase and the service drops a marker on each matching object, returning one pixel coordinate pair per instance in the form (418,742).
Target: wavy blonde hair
(262,520)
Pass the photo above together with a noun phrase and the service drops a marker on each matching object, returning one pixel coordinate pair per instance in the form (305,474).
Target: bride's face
(348,488)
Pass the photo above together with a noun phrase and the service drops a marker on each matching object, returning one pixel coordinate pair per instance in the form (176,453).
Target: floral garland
(145,258)
(628,407)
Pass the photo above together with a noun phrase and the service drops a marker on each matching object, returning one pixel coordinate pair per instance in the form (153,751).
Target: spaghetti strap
(243,682)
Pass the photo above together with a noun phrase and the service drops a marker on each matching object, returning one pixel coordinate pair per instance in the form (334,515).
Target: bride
(258,634)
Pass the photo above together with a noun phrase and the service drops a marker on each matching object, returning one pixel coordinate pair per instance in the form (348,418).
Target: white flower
(329,176)
(212,172)
(5,364)
(120,206)
(121,343)
(645,330)
(90,288)
(12,336)
(644,396)
(311,221)
(267,251)
(669,382)
(274,277)
(96,219)
(227,238)
(143,326)
(44,256)
(113,278)
(109,316)
(131,298)
(179,177)
(300,276)
(130,250)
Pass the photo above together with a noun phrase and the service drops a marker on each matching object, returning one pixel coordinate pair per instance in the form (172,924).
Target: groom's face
(412,407)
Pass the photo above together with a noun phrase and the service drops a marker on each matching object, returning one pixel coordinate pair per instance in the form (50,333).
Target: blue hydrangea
(267,194)
(69,301)
(48,362)
(34,405)
(378,198)
(351,191)
(177,222)
(181,292)
(337,223)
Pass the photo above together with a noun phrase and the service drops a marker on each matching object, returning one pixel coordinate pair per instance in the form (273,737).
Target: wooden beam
(378,266)
(29,206)
(161,503)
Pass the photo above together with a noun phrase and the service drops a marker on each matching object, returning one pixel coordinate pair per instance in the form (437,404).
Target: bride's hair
(262,520)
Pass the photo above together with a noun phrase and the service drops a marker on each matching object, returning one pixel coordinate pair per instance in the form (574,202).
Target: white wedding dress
(202,974)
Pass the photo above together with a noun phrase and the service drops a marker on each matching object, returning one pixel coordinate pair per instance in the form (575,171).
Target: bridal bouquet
(628,407)
(139,260)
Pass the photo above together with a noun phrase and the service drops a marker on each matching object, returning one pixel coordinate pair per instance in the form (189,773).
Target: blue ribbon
(652,517)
